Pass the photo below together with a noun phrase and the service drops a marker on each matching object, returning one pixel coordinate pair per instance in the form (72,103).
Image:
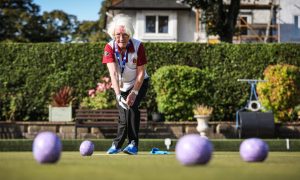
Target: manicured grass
(147,144)
(224,165)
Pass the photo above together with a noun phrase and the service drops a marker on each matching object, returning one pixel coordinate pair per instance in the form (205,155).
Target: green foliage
(17,18)
(103,100)
(281,92)
(178,89)
(30,73)
(92,31)
(102,97)
(88,31)
(57,25)
(20,22)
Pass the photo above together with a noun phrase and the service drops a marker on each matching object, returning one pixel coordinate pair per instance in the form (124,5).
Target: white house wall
(289,31)
(171,36)
(186,26)
(181,25)
(261,16)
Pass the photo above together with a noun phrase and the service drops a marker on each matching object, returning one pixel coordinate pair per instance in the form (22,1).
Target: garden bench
(102,118)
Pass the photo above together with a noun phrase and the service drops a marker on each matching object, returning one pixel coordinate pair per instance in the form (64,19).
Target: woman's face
(121,37)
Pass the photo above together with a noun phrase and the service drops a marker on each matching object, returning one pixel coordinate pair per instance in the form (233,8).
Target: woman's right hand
(122,102)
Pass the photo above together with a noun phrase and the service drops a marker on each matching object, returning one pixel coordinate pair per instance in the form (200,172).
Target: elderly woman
(125,59)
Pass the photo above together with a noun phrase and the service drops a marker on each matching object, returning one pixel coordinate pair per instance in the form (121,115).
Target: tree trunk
(230,18)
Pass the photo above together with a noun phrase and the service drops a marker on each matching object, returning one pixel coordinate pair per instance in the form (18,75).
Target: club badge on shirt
(134,61)
(106,53)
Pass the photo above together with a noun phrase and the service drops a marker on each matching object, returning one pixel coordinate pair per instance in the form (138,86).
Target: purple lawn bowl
(46,147)
(254,150)
(192,149)
(86,148)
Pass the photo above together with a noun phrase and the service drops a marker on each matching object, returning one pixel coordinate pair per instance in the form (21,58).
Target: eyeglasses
(124,36)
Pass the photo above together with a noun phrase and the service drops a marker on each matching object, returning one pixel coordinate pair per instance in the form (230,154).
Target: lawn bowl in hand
(86,148)
(192,149)
(46,147)
(254,150)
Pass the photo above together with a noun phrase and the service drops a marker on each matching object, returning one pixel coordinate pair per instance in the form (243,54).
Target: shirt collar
(130,47)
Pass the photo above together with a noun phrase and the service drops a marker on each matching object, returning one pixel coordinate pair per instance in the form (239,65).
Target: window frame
(141,33)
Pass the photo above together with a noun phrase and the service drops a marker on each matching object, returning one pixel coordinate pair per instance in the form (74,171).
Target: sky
(83,9)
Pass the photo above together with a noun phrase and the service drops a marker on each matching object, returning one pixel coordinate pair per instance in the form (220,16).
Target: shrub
(282,91)
(178,89)
(102,97)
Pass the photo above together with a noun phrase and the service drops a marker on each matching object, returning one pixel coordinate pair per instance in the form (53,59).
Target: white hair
(120,20)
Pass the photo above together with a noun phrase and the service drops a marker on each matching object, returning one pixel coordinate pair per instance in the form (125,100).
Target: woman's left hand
(130,99)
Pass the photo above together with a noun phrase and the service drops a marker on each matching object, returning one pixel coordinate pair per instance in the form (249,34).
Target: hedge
(29,73)
(182,88)
(148,144)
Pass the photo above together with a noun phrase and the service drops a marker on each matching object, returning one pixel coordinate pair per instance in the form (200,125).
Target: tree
(20,22)
(14,16)
(89,31)
(220,17)
(93,31)
(58,26)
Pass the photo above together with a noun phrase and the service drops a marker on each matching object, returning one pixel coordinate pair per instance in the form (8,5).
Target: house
(158,20)
(172,21)
(279,19)
(289,20)
(257,21)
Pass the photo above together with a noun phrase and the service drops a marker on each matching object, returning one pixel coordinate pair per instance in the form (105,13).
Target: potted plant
(61,105)
(202,113)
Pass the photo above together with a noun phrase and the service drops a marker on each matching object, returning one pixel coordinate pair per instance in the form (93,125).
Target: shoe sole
(114,153)
(130,153)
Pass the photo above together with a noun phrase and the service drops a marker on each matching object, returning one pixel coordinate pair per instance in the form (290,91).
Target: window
(150,24)
(157,24)
(163,24)
(244,21)
(296,31)
(297,22)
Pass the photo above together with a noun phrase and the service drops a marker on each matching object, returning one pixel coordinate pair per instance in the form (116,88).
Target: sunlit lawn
(223,165)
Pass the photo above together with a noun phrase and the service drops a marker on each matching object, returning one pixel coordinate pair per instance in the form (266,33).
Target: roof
(149,5)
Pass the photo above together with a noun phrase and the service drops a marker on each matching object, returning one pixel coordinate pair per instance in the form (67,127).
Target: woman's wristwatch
(135,92)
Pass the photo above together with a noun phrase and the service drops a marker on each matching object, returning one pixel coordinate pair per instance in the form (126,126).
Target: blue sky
(83,9)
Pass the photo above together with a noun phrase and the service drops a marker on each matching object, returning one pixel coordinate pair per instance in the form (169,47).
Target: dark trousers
(129,120)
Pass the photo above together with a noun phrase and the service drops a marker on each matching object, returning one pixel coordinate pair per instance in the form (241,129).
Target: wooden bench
(102,117)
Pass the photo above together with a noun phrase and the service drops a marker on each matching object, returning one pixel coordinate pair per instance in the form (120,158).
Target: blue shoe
(113,150)
(131,149)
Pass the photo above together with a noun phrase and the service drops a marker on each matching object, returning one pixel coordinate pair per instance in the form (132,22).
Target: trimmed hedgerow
(30,73)
(148,144)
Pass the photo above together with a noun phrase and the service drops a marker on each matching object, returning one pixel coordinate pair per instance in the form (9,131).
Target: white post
(287,144)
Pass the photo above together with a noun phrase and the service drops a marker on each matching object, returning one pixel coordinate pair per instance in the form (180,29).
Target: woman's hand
(131,98)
